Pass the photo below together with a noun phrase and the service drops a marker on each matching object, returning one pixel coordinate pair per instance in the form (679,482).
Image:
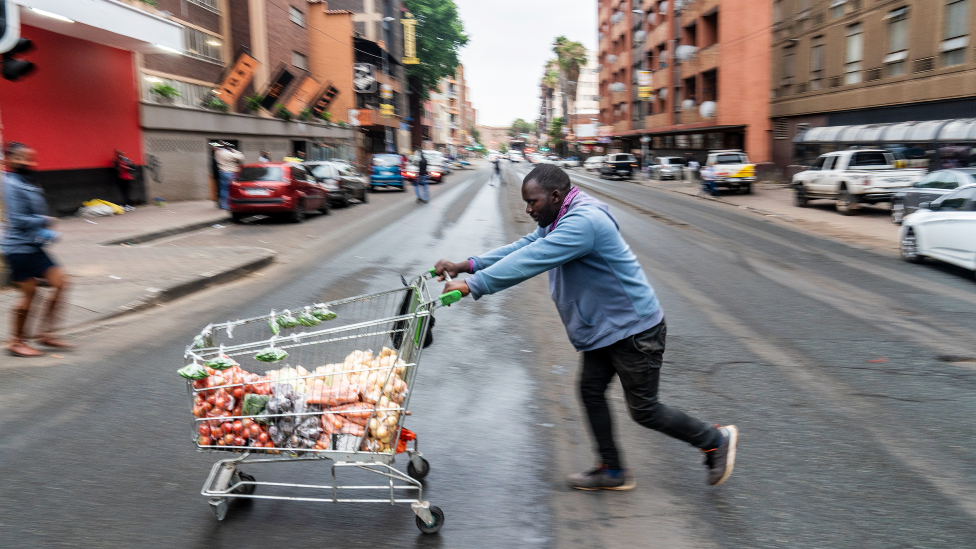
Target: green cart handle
(450,297)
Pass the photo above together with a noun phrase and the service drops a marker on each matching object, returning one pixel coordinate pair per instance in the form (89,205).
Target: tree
(550,79)
(556,134)
(503,148)
(440,34)
(571,58)
(476,135)
(519,127)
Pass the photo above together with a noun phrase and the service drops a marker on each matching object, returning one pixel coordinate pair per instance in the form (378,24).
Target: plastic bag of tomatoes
(218,402)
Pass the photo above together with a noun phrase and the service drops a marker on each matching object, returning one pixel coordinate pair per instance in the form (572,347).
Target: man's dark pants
(637,361)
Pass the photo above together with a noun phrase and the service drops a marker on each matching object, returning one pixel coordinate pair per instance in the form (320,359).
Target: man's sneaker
(601,479)
(721,459)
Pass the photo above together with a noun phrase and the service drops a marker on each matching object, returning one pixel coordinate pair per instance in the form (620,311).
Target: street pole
(386,74)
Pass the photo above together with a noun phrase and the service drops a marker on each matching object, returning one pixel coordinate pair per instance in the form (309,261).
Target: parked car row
(943,229)
(294,189)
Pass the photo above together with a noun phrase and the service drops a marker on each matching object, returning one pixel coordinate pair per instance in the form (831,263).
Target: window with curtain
(953,47)
(854,54)
(296,15)
(895,62)
(816,63)
(299,60)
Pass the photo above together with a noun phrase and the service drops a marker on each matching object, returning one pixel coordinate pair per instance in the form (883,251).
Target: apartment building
(451,114)
(705,65)
(854,62)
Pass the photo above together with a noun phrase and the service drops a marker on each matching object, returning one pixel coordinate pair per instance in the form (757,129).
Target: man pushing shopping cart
(611,314)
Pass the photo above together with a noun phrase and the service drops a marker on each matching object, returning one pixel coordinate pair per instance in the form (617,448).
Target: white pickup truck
(853,177)
(732,170)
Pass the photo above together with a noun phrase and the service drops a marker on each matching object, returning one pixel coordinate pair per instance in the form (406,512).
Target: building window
(209,4)
(781,128)
(787,67)
(837,8)
(816,63)
(297,16)
(299,60)
(855,53)
(895,61)
(778,11)
(953,47)
(203,45)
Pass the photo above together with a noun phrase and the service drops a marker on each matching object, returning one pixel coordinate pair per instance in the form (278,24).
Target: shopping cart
(330,381)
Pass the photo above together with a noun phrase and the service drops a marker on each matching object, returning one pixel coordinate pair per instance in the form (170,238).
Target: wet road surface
(844,369)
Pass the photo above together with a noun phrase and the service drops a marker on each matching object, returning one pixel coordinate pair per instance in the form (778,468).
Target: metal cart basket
(330,381)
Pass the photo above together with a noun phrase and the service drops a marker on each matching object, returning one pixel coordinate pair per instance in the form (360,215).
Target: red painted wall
(77,107)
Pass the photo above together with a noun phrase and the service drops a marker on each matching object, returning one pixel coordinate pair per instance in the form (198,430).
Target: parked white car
(853,177)
(944,229)
(592,164)
(567,162)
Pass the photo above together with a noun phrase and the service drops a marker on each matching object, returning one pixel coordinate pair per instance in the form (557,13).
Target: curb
(152,299)
(149,237)
(719,200)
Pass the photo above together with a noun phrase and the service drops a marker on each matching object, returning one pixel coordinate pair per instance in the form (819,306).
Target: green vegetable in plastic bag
(323,314)
(220,363)
(306,319)
(287,321)
(193,371)
(198,342)
(275,329)
(254,404)
(270,354)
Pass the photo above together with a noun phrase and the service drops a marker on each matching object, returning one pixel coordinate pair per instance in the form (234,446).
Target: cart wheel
(219,508)
(418,472)
(438,515)
(247,489)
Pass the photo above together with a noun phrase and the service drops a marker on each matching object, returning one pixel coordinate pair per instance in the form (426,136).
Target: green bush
(253,102)
(165,90)
(282,113)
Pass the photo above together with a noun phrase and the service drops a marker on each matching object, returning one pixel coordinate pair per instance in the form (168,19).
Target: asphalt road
(850,374)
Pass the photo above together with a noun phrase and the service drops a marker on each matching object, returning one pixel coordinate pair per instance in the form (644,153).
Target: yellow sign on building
(386,110)
(409,40)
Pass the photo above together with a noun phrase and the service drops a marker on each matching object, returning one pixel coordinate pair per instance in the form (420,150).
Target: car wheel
(325,210)
(364,197)
(747,189)
(298,214)
(237,217)
(800,199)
(846,203)
(372,188)
(897,213)
(909,248)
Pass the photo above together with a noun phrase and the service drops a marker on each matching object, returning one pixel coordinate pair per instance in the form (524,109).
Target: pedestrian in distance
(265,156)
(693,167)
(420,184)
(709,184)
(610,312)
(124,174)
(229,162)
(27,231)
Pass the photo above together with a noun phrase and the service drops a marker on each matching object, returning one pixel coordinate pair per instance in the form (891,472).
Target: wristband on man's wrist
(470,266)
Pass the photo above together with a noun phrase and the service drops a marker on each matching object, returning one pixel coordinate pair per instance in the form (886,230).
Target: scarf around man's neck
(565,207)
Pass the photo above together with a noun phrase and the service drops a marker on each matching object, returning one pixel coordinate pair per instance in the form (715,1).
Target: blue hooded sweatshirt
(599,288)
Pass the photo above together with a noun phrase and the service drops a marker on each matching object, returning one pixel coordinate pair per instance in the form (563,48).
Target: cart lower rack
(335,385)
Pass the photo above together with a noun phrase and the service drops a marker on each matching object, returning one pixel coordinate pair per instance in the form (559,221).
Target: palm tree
(571,57)
(550,79)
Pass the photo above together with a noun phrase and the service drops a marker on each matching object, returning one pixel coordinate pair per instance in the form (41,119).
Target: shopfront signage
(386,110)
(364,78)
(277,87)
(302,96)
(237,79)
(409,40)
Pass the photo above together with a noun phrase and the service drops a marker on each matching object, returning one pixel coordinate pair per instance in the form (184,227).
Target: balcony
(114,24)
(622,62)
(660,33)
(697,8)
(706,59)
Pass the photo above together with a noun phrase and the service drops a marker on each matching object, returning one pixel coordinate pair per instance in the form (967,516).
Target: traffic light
(11,44)
(14,68)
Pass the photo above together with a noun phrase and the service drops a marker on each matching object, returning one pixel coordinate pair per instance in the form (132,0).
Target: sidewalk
(112,275)
(870,226)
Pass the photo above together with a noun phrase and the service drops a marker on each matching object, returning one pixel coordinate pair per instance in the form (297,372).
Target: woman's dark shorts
(31,265)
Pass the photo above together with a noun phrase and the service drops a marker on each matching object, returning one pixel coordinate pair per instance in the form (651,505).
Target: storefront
(82,102)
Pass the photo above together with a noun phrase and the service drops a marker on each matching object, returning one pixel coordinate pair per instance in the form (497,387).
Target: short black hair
(550,177)
(12,147)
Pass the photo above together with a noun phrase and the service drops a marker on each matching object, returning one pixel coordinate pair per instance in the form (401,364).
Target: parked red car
(276,188)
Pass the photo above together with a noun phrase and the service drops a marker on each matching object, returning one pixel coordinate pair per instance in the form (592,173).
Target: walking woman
(27,231)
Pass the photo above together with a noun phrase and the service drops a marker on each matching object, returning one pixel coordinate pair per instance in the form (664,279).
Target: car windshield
(259,173)
(321,171)
(730,159)
(675,161)
(386,160)
(625,158)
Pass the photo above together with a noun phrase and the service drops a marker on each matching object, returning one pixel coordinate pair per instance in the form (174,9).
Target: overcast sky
(509,43)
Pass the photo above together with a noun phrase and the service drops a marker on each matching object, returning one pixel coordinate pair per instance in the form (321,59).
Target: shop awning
(963,129)
(105,22)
